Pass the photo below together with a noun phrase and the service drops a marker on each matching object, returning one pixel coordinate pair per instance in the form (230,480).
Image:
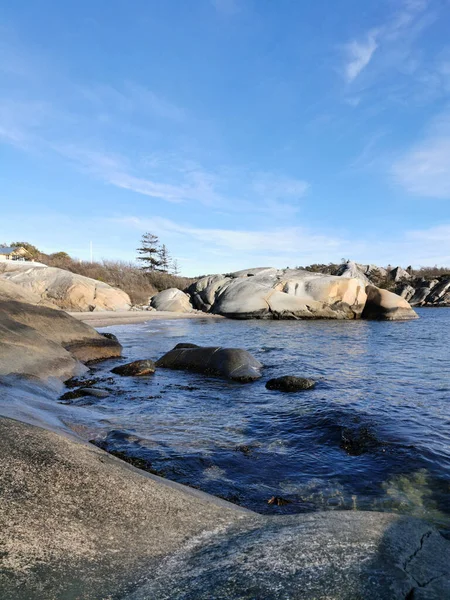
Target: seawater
(373,435)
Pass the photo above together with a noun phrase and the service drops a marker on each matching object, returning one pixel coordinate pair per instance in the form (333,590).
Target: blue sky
(242,132)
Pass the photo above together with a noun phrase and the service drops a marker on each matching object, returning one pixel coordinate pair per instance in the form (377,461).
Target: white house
(18,253)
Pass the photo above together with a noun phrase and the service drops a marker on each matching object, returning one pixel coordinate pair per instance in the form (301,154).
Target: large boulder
(386,306)
(172,300)
(64,289)
(45,342)
(269,293)
(233,363)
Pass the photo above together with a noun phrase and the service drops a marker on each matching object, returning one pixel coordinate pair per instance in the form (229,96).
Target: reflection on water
(373,434)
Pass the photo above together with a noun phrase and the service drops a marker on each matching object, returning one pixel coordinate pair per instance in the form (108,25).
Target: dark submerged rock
(76,382)
(290,383)
(357,441)
(110,336)
(233,363)
(74,394)
(135,369)
(95,392)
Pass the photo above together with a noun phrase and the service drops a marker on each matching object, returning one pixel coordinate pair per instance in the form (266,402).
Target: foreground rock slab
(333,556)
(233,363)
(77,523)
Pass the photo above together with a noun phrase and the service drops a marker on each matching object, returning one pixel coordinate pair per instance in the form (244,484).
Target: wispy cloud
(282,246)
(131,97)
(391,37)
(424,170)
(243,248)
(359,55)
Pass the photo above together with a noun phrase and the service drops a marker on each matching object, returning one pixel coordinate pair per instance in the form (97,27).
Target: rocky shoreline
(76,522)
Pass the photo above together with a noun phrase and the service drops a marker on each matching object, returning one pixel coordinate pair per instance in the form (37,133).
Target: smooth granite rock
(77,523)
(233,363)
(64,289)
(268,293)
(43,342)
(172,300)
(386,306)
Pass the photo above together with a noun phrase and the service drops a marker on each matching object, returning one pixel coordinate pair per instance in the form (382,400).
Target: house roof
(11,250)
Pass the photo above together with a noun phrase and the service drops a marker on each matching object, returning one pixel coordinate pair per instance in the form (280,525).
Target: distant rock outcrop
(172,300)
(268,293)
(64,289)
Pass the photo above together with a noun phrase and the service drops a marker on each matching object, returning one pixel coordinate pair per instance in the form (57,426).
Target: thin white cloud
(359,55)
(424,170)
(131,97)
(391,38)
(222,250)
(288,242)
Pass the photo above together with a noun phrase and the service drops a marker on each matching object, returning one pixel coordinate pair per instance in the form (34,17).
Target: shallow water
(373,435)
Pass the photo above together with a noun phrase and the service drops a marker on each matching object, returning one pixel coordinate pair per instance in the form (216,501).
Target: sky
(243,133)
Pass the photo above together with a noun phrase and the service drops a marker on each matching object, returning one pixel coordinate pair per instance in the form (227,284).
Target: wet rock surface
(290,383)
(336,555)
(137,368)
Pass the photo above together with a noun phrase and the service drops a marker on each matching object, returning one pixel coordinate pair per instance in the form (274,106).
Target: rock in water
(385,306)
(172,300)
(233,363)
(289,383)
(135,369)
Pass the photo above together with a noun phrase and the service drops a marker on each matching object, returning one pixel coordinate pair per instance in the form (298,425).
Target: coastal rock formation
(386,306)
(64,289)
(268,293)
(366,273)
(233,363)
(77,522)
(172,300)
(41,341)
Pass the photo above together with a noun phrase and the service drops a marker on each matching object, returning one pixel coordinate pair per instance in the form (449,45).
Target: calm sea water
(373,435)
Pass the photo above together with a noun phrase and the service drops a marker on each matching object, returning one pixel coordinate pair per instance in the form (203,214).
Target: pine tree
(175,267)
(149,252)
(165,259)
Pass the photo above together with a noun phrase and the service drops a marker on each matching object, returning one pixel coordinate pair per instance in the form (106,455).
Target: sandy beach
(106,319)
